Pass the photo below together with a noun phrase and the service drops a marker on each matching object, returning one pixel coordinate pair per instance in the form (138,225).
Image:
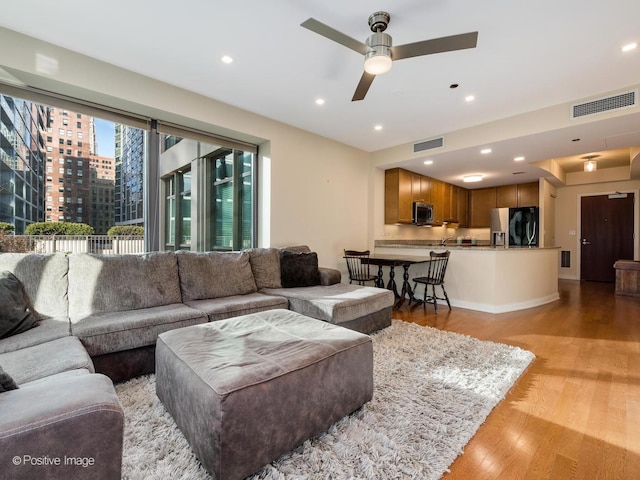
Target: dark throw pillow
(299,269)
(15,315)
(6,382)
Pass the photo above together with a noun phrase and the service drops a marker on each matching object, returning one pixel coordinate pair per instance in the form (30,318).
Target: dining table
(392,261)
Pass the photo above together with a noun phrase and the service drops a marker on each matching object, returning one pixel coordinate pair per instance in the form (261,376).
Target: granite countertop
(450,245)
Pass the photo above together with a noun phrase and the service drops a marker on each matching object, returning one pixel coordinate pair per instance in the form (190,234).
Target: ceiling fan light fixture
(378,59)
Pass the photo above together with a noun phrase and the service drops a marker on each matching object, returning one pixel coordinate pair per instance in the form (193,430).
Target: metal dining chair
(435,276)
(359,269)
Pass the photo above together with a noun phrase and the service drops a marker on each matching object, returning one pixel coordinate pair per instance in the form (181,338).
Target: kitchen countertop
(451,245)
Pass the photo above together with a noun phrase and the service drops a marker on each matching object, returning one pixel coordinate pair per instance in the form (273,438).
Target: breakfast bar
(490,279)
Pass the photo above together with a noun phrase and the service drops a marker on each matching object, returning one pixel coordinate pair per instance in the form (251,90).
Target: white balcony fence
(104,244)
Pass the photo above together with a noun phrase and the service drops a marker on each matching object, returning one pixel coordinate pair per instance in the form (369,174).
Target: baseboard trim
(510,307)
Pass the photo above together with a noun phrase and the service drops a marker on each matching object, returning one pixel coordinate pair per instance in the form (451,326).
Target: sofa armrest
(70,426)
(329,276)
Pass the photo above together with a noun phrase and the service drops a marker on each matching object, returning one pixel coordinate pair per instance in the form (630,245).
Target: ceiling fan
(378,50)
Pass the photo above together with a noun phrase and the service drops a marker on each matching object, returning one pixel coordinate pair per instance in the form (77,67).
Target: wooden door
(606,235)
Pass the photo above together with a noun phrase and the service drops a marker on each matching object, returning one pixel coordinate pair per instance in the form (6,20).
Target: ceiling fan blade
(333,34)
(435,45)
(363,86)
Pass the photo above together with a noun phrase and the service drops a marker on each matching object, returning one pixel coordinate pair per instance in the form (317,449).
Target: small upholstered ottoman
(248,389)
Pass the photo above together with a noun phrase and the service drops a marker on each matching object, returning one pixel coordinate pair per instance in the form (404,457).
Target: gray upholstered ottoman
(248,389)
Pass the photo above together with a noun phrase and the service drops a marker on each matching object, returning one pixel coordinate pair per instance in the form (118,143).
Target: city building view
(57,165)
(51,169)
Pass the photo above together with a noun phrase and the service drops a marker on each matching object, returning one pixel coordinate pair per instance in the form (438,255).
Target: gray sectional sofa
(100,317)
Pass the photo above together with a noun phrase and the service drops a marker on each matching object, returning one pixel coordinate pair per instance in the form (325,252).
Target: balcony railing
(104,244)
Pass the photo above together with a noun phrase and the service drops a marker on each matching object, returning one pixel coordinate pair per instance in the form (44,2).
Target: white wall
(312,190)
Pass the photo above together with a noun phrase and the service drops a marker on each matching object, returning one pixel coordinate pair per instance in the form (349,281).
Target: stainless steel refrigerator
(515,227)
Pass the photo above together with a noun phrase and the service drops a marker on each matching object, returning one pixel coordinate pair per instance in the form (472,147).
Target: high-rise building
(102,194)
(70,143)
(79,183)
(129,193)
(22,160)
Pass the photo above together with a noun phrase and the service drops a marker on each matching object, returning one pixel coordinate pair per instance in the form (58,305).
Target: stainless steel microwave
(422,213)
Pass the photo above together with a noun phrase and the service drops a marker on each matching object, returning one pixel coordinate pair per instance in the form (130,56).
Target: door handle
(585,242)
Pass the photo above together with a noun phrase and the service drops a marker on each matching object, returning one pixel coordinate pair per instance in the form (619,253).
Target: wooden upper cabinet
(438,200)
(507,196)
(403,187)
(397,196)
(462,212)
(481,201)
(529,194)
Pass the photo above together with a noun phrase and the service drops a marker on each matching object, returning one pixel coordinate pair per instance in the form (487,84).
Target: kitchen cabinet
(507,196)
(481,201)
(438,201)
(529,194)
(518,195)
(398,196)
(462,207)
(403,187)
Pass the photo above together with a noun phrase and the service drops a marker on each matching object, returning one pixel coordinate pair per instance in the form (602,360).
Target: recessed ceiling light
(226,59)
(518,159)
(476,177)
(484,151)
(629,47)
(319,101)
(428,162)
(469,98)
(378,127)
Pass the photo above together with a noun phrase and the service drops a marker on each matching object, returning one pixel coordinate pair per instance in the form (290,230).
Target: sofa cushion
(299,269)
(15,315)
(215,274)
(265,265)
(221,308)
(110,332)
(112,283)
(337,303)
(44,278)
(44,360)
(47,330)
(76,416)
(6,382)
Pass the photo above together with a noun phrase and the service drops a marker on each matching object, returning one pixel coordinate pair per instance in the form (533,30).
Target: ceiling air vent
(428,144)
(605,104)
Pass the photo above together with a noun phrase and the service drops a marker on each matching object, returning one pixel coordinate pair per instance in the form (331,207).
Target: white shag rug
(432,390)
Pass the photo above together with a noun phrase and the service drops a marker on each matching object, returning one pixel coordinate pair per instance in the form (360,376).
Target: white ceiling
(528,57)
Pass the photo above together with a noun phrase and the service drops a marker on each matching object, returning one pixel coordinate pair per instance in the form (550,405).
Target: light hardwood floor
(575,412)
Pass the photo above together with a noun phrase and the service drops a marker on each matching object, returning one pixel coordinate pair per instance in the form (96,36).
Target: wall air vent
(605,104)
(428,144)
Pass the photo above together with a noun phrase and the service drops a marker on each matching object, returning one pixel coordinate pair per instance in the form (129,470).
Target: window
(61,131)
(231,200)
(79,124)
(61,141)
(61,161)
(61,170)
(69,171)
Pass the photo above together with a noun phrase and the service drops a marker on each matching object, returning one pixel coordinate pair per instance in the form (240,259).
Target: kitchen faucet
(444,240)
